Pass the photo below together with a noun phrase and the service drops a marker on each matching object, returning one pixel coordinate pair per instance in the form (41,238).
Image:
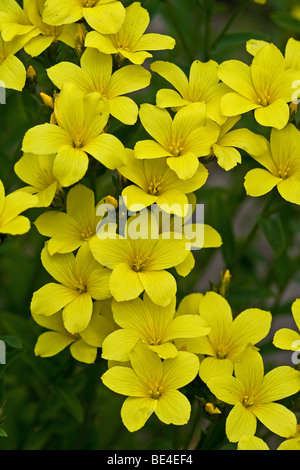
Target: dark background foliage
(59,403)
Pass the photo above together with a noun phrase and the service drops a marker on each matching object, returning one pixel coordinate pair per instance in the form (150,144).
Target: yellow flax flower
(181,140)
(152,387)
(228,337)
(12,70)
(68,231)
(81,121)
(37,172)
(229,141)
(253,395)
(11,206)
(288,339)
(154,325)
(14,20)
(292,51)
(202,86)
(140,262)
(282,166)
(46,34)
(95,75)
(265,87)
(105,16)
(155,182)
(256,443)
(84,345)
(80,280)
(130,42)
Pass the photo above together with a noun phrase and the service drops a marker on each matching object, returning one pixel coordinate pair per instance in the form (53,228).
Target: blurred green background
(59,403)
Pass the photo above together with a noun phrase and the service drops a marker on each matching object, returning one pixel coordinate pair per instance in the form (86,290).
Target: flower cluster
(113,295)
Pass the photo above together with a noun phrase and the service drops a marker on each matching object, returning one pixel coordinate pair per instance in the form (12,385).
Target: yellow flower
(12,70)
(14,20)
(10,207)
(292,51)
(202,86)
(140,263)
(256,443)
(155,182)
(225,149)
(261,2)
(181,140)
(37,172)
(152,387)
(154,325)
(285,338)
(70,230)
(81,279)
(228,337)
(84,345)
(253,395)
(130,41)
(105,16)
(265,87)
(46,34)
(81,120)
(282,165)
(95,75)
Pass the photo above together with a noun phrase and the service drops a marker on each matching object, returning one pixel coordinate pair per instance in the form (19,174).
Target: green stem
(253,232)
(234,16)
(207,29)
(179,30)
(191,434)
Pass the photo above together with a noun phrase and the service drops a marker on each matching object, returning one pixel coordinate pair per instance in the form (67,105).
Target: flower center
(264,99)
(139,262)
(87,233)
(248,401)
(222,351)
(154,342)
(120,45)
(79,286)
(155,391)
(88,3)
(2,58)
(176,147)
(154,186)
(50,31)
(283,171)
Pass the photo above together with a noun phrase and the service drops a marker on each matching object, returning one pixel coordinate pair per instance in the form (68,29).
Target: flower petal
(259,182)
(277,418)
(173,408)
(240,422)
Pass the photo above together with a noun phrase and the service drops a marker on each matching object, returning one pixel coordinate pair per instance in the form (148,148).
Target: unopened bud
(112,201)
(225,283)
(48,100)
(80,38)
(211,409)
(31,74)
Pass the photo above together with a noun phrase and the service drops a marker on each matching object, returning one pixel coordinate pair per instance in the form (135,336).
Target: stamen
(139,262)
(154,186)
(156,391)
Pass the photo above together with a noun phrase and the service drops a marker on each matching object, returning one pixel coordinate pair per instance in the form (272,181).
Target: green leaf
(286,21)
(11,341)
(3,433)
(238,38)
(70,402)
(274,233)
